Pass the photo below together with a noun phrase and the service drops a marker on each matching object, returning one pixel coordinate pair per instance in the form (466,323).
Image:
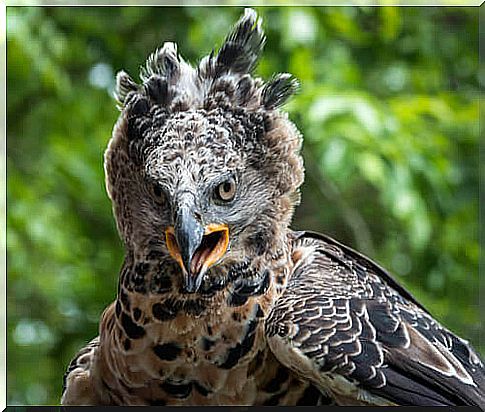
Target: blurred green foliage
(388,107)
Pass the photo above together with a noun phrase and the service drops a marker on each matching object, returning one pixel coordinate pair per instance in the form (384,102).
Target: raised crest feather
(124,85)
(222,79)
(241,49)
(164,62)
(278,90)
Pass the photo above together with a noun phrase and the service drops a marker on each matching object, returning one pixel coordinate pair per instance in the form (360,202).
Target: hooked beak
(195,248)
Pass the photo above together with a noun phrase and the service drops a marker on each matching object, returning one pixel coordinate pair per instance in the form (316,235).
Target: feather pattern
(344,315)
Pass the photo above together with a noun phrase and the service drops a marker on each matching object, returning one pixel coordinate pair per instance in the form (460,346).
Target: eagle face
(203,167)
(205,192)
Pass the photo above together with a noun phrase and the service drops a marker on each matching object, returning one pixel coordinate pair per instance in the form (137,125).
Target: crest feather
(124,85)
(222,79)
(241,49)
(164,62)
(278,90)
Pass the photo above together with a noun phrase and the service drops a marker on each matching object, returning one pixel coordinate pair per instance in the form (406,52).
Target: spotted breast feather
(346,325)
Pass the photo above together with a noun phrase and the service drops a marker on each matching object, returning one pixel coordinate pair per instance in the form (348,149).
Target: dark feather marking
(161,283)
(275,384)
(167,351)
(369,356)
(237,300)
(207,344)
(310,397)
(138,106)
(137,278)
(390,331)
(118,308)
(278,90)
(163,62)
(166,311)
(181,391)
(157,88)
(240,270)
(394,339)
(259,311)
(142,268)
(136,314)
(248,287)
(133,132)
(461,351)
(131,329)
(237,352)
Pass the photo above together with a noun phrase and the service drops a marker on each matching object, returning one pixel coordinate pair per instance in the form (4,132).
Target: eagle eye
(157,192)
(226,190)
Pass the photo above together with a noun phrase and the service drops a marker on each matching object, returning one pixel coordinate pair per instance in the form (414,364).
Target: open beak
(196,248)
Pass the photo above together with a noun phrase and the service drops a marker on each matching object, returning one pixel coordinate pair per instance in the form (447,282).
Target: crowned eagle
(219,302)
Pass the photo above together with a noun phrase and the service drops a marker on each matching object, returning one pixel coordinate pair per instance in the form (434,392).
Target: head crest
(222,79)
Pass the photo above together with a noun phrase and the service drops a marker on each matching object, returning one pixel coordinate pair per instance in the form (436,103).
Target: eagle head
(202,166)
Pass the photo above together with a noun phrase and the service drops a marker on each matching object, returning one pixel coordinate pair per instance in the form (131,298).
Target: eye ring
(226,190)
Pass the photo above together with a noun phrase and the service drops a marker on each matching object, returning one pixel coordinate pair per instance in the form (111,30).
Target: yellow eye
(226,190)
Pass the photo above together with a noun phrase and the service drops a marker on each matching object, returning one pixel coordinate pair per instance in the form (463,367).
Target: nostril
(198,216)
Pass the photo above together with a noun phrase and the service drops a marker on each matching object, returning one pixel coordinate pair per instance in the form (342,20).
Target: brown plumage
(219,301)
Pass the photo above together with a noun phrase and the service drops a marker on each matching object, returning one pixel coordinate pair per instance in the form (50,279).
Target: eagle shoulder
(345,324)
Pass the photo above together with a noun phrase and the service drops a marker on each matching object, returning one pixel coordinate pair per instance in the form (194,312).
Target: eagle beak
(195,248)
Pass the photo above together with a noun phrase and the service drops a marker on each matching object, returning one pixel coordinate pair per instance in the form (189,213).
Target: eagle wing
(78,386)
(351,329)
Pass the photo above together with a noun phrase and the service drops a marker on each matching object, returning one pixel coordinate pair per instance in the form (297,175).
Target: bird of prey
(219,302)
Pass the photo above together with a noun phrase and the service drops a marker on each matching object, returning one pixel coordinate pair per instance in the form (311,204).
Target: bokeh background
(388,107)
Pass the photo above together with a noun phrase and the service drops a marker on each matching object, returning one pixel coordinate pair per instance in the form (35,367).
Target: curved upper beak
(194,247)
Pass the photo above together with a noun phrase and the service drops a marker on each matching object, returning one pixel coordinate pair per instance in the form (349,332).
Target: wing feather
(78,386)
(345,324)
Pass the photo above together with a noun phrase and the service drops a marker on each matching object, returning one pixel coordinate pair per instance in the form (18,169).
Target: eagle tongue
(199,258)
